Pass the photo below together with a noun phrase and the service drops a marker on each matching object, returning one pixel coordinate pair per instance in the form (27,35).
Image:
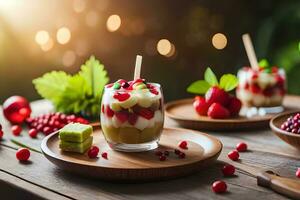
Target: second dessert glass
(132,115)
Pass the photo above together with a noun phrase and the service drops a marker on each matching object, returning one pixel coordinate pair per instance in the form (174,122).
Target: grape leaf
(210,77)
(228,82)
(198,87)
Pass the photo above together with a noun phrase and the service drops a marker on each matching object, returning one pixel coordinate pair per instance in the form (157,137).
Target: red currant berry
(183,144)
(1,134)
(176,151)
(219,187)
(33,133)
(228,170)
(162,158)
(16,130)
(47,130)
(233,155)
(241,147)
(298,173)
(104,155)
(93,152)
(181,155)
(23,154)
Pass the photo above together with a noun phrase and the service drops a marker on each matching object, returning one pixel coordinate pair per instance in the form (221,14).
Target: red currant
(93,152)
(176,151)
(33,133)
(181,155)
(219,187)
(241,147)
(16,130)
(23,154)
(233,155)
(228,170)
(183,144)
(104,155)
(162,158)
(298,173)
(1,134)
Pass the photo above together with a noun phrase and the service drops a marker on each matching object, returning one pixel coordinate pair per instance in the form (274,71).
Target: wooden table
(40,179)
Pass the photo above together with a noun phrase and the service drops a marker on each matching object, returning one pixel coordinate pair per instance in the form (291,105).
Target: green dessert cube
(75,146)
(75,132)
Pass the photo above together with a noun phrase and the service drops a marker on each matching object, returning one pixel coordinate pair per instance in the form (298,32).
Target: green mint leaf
(51,85)
(228,82)
(198,87)
(264,63)
(210,77)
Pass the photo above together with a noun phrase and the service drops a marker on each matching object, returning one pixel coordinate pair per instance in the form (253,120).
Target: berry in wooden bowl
(287,127)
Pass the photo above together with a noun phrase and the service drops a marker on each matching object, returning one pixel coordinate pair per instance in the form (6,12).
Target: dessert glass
(132,117)
(261,88)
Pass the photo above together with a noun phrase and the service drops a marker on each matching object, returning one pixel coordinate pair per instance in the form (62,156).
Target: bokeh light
(69,58)
(63,35)
(164,47)
(92,18)
(48,46)
(219,41)
(42,37)
(113,23)
(79,5)
(172,51)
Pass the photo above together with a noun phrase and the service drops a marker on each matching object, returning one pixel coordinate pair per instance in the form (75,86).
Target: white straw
(138,65)
(250,51)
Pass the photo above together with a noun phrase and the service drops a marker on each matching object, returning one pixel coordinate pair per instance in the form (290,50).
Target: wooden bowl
(290,138)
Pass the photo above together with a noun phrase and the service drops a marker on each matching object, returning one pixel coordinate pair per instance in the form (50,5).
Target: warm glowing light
(92,18)
(69,58)
(164,47)
(48,45)
(219,41)
(172,51)
(79,5)
(63,35)
(42,37)
(113,23)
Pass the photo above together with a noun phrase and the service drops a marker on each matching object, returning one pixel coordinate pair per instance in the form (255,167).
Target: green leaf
(51,85)
(198,87)
(264,63)
(210,77)
(228,82)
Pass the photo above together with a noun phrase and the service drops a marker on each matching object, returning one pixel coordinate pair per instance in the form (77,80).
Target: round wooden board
(182,112)
(202,150)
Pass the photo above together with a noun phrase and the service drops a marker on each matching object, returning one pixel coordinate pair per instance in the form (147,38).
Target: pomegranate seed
(16,130)
(183,144)
(219,187)
(104,155)
(181,155)
(228,170)
(166,153)
(233,155)
(93,152)
(162,158)
(23,154)
(177,152)
(1,134)
(33,133)
(47,130)
(158,153)
(241,147)
(298,173)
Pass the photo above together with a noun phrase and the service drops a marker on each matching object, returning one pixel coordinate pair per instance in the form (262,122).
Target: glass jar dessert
(264,87)
(132,115)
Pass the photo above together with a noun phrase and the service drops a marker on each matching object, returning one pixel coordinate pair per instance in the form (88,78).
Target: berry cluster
(217,104)
(292,124)
(164,154)
(51,122)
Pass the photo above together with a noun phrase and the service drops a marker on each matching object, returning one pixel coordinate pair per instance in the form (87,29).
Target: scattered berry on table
(104,155)
(23,154)
(177,151)
(233,155)
(93,152)
(33,133)
(219,187)
(162,158)
(183,144)
(228,170)
(181,155)
(298,173)
(16,130)
(241,147)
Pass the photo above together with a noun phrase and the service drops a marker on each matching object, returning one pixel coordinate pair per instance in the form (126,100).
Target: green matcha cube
(75,132)
(76,147)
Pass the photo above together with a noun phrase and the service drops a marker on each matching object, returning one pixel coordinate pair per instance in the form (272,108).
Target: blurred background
(178,39)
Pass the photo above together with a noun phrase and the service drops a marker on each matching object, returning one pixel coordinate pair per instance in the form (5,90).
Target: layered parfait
(262,87)
(132,115)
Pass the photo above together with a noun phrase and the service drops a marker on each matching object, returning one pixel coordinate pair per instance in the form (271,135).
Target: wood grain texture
(202,150)
(183,113)
(290,138)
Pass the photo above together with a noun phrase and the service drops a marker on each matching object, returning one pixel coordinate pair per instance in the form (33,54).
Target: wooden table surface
(40,179)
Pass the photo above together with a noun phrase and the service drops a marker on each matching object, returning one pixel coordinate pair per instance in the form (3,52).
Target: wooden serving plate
(183,113)
(290,138)
(202,150)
